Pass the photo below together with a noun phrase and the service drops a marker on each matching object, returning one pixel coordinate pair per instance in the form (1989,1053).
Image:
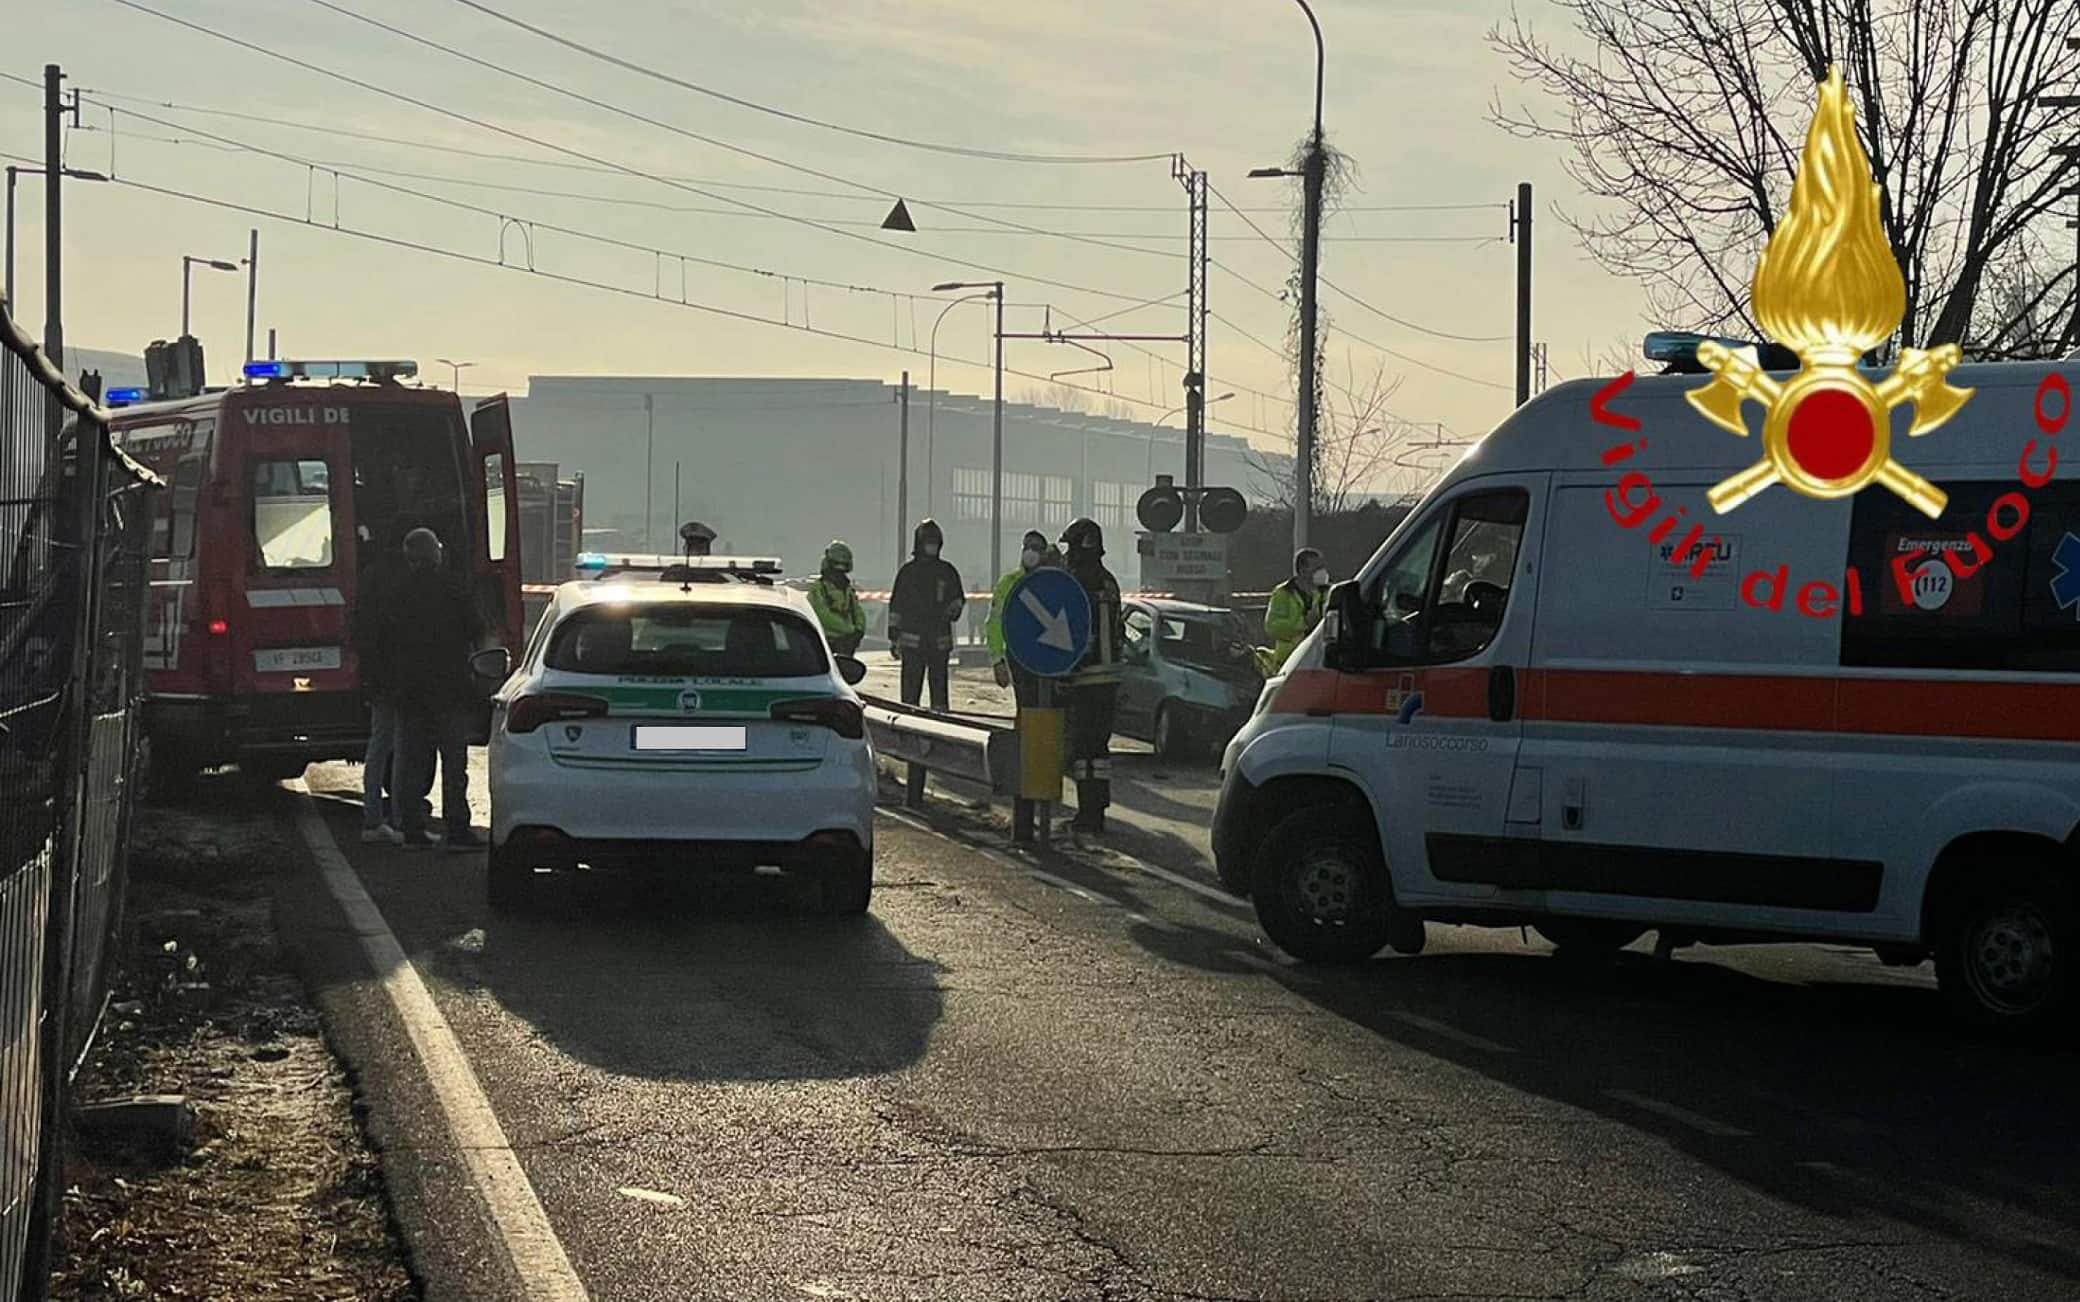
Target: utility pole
(1194,183)
(649,468)
(252,287)
(902,465)
(2071,152)
(1520,235)
(1310,263)
(996,455)
(675,492)
(53,175)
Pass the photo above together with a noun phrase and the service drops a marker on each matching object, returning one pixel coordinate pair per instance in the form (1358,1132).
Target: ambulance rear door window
(2018,612)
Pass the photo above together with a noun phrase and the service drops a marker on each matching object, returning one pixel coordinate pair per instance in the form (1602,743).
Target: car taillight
(840,715)
(219,627)
(527,713)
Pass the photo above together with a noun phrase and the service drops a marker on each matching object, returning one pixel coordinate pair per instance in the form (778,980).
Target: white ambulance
(1567,692)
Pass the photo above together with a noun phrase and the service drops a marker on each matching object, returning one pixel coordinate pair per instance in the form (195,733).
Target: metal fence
(75,519)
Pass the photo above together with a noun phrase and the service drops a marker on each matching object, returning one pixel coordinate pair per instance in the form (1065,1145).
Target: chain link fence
(74,528)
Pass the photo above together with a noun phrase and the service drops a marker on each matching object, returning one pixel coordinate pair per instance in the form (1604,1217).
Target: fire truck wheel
(1321,887)
(271,771)
(508,881)
(2008,948)
(1587,938)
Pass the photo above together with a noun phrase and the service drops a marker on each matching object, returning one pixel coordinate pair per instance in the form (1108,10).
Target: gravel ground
(277,1195)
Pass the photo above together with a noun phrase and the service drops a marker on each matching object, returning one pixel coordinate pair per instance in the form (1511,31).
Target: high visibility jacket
(838,610)
(993,628)
(1102,657)
(1290,617)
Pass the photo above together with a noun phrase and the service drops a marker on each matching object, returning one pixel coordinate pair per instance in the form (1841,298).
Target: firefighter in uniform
(836,601)
(1034,552)
(1094,683)
(1296,607)
(923,607)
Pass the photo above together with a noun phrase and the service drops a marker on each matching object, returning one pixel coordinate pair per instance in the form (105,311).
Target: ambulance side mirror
(1344,622)
(493,665)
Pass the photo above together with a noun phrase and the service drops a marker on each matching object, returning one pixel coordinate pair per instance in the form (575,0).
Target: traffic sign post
(1047,625)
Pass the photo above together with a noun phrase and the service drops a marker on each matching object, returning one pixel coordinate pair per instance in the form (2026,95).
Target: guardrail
(978,748)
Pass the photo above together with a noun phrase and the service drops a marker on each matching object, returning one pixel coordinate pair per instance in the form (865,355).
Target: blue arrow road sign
(1047,622)
(2065,585)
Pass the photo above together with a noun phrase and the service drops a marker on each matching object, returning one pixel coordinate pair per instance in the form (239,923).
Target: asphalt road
(1078,1080)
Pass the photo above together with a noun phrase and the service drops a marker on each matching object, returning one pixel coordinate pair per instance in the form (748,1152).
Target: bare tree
(1357,439)
(1685,119)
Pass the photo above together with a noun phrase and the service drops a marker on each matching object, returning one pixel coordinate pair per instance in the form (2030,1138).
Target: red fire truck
(283,492)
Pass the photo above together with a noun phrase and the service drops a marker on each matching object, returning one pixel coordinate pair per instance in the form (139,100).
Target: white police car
(689,717)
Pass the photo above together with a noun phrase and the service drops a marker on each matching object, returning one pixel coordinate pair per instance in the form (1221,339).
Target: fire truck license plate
(287,659)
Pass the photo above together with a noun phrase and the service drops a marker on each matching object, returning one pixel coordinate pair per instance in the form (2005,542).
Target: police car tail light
(530,712)
(841,716)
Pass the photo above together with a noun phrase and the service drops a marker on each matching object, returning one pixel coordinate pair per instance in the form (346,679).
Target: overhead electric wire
(531,223)
(1418,326)
(623,168)
(661,125)
(629,65)
(623,290)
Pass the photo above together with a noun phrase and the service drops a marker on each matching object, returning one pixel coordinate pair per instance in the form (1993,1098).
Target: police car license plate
(289,659)
(686,737)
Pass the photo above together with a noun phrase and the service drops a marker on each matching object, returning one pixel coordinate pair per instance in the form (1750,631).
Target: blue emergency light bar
(594,565)
(121,397)
(1681,345)
(378,371)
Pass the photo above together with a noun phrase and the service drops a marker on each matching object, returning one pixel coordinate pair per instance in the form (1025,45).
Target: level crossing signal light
(1221,510)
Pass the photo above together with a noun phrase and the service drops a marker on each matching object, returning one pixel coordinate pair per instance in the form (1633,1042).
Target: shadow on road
(733,982)
(1847,1098)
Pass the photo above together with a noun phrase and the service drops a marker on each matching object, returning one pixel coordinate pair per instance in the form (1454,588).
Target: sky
(1228,84)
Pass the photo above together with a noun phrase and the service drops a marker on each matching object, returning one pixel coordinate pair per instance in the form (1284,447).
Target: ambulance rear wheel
(2008,950)
(1587,938)
(1321,886)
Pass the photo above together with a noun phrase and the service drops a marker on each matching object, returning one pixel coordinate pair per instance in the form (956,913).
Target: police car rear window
(687,641)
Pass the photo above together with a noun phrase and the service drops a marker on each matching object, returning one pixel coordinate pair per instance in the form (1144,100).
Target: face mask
(1029,558)
(931,549)
(1321,578)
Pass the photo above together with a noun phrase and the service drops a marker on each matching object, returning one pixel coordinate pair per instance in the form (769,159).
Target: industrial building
(780,466)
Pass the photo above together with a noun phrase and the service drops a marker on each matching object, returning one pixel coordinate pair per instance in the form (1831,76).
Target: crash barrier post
(75,528)
(971,747)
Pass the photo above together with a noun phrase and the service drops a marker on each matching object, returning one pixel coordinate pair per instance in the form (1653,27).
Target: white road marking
(1063,883)
(1198,888)
(538,1259)
(1446,1031)
(1704,1125)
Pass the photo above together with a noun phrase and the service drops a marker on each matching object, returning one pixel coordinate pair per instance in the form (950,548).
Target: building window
(1112,504)
(1058,501)
(970,494)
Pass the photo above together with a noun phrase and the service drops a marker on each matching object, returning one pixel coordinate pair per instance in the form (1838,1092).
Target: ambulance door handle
(1502,694)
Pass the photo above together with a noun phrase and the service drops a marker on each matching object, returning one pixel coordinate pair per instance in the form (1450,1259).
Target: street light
(931,401)
(187,263)
(1313,167)
(996,460)
(1159,424)
(12,173)
(455,370)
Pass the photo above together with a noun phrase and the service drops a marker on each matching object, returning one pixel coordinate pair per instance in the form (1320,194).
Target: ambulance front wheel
(2008,951)
(1321,886)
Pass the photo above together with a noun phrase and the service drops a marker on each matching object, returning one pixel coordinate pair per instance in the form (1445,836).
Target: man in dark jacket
(429,631)
(922,609)
(380,819)
(1093,696)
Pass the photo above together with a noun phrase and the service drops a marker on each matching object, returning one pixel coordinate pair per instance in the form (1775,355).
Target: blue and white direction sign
(1047,622)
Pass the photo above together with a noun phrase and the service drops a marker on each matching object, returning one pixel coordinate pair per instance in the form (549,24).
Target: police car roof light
(122,397)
